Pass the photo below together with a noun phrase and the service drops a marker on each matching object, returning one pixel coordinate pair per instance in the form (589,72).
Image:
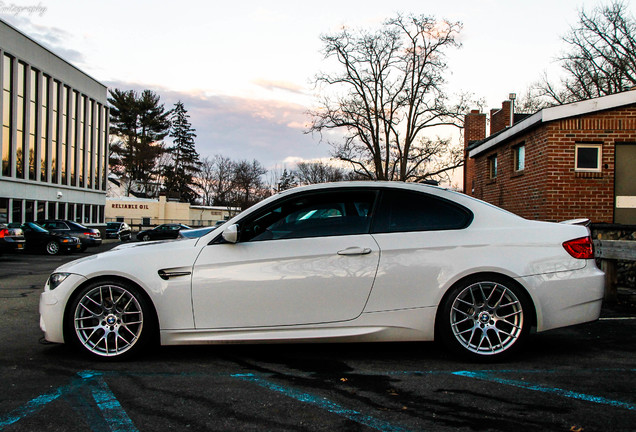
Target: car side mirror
(230,234)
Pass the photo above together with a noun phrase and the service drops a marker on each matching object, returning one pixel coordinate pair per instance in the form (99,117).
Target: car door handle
(354,251)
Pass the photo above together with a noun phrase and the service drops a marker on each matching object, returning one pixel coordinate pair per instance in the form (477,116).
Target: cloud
(280,85)
(269,131)
(53,38)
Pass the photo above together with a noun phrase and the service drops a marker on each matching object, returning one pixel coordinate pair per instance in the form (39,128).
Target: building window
(492,167)
(519,157)
(7,111)
(588,157)
(4,210)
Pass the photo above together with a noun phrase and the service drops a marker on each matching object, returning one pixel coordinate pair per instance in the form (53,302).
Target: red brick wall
(549,188)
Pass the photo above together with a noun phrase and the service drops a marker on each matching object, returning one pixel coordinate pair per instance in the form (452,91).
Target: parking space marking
(108,413)
(30,408)
(110,410)
(490,376)
(322,403)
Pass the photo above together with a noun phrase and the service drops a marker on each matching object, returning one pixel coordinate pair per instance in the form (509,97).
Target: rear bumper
(566,298)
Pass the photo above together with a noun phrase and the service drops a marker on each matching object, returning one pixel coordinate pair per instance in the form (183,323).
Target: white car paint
(302,289)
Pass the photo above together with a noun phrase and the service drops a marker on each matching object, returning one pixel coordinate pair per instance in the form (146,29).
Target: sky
(244,70)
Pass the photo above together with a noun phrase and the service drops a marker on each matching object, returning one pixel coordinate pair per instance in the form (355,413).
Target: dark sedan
(118,230)
(162,232)
(88,236)
(40,239)
(11,239)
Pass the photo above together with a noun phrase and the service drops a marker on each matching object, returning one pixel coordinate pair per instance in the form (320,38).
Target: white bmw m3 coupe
(346,262)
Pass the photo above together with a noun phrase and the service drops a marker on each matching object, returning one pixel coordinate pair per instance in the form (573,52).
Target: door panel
(283,282)
(625,184)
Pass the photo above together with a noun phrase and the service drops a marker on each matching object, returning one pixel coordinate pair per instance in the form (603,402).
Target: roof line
(556,113)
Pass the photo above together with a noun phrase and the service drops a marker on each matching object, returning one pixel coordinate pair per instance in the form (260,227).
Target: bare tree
(248,186)
(602,56)
(389,91)
(318,172)
(216,180)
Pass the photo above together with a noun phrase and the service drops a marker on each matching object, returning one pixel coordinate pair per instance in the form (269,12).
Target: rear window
(403,211)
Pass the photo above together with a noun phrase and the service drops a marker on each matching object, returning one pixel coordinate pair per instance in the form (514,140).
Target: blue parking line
(488,376)
(30,408)
(110,414)
(322,403)
(110,410)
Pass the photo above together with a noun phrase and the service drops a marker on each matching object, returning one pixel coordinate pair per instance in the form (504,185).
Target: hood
(135,259)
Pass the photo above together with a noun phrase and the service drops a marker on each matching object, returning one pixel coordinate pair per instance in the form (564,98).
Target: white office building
(54,142)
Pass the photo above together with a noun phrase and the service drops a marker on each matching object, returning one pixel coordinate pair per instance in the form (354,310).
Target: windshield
(112,225)
(35,227)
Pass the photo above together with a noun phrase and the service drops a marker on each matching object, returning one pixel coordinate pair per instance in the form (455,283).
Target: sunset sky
(244,69)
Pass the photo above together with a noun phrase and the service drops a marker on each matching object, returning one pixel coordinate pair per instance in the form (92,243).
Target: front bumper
(52,307)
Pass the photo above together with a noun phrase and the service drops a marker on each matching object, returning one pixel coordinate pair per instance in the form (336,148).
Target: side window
(403,211)
(312,215)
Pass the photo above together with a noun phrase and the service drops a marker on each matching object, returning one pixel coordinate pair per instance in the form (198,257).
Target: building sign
(131,206)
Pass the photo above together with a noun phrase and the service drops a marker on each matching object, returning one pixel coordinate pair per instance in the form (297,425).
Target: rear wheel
(145,237)
(110,320)
(485,319)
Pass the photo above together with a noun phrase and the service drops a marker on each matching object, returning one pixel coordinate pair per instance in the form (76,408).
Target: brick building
(565,162)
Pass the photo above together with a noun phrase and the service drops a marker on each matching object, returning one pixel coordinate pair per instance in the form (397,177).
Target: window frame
(376,221)
(493,167)
(599,159)
(243,223)
(515,158)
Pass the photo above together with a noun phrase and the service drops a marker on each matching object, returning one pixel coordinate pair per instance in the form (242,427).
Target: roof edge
(556,113)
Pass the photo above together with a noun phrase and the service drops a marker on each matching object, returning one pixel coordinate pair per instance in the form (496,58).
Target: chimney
(500,119)
(474,130)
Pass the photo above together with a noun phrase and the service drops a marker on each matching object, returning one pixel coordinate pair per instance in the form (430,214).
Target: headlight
(56,279)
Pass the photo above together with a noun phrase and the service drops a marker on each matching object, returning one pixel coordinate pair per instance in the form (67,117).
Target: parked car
(162,232)
(40,239)
(11,239)
(347,262)
(118,230)
(194,232)
(89,237)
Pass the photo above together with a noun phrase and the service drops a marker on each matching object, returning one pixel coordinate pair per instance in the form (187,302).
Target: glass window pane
(587,158)
(318,215)
(403,211)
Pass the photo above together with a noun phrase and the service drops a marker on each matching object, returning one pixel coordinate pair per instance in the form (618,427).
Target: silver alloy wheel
(108,320)
(486,318)
(52,248)
(145,237)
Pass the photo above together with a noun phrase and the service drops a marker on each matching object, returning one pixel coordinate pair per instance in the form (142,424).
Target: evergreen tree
(286,181)
(179,177)
(140,122)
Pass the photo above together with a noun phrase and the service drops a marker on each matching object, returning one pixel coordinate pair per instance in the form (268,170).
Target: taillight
(4,232)
(581,248)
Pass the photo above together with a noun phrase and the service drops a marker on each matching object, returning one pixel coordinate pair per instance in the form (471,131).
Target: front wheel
(485,319)
(52,248)
(110,320)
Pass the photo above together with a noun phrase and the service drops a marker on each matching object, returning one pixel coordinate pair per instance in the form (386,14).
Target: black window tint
(313,215)
(402,211)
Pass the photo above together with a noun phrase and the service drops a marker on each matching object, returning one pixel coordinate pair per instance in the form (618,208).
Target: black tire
(145,237)
(485,318)
(52,248)
(110,320)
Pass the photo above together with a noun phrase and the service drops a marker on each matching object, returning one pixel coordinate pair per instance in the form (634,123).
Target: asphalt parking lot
(576,379)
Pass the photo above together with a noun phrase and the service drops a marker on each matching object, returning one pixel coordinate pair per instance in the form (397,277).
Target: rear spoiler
(582,221)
